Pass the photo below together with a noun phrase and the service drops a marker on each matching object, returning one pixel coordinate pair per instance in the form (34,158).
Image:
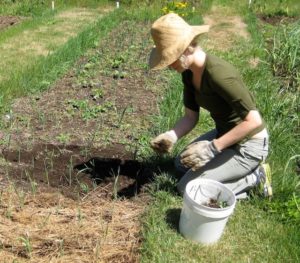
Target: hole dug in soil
(73,172)
(127,177)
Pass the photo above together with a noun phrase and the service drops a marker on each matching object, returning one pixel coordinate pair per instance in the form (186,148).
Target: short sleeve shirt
(222,92)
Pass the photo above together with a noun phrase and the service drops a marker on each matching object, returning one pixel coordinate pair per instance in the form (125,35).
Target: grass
(30,44)
(37,8)
(251,235)
(276,7)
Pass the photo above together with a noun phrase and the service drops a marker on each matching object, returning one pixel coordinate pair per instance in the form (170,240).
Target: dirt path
(21,50)
(226,28)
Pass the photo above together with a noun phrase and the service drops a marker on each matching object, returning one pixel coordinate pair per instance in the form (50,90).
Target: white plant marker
(53,5)
(117,4)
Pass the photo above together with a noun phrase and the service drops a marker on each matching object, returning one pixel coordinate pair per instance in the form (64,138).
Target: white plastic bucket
(202,223)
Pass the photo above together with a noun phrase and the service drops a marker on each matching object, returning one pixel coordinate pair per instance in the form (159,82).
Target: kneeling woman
(231,153)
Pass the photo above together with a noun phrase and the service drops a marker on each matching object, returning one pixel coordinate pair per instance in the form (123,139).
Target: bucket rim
(212,209)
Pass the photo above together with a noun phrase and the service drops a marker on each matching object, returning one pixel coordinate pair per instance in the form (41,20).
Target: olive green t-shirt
(222,92)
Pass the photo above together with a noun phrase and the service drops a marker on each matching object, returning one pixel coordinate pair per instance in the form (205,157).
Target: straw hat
(171,35)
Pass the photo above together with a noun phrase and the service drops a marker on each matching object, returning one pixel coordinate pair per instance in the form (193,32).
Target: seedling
(96,93)
(84,187)
(64,138)
(115,186)
(116,62)
(27,245)
(33,183)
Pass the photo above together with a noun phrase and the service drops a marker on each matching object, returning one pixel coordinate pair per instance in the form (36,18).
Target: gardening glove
(198,154)
(164,142)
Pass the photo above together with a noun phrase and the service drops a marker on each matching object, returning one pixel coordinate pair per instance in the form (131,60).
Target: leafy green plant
(64,138)
(181,8)
(288,210)
(97,93)
(118,61)
(87,110)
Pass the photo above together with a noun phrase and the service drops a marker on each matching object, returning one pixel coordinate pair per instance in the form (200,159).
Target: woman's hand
(164,142)
(198,154)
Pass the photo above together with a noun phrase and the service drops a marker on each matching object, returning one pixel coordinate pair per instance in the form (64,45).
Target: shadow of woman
(173,217)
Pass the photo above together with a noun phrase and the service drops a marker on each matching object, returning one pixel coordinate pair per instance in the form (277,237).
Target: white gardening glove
(164,142)
(198,154)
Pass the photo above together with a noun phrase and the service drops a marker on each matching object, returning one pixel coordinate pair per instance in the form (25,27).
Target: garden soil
(72,180)
(7,21)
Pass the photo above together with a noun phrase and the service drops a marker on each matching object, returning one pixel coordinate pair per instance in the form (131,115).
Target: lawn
(78,180)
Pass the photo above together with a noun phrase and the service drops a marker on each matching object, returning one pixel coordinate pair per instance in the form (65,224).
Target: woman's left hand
(198,154)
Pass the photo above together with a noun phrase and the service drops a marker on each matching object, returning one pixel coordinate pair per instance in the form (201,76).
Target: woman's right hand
(164,142)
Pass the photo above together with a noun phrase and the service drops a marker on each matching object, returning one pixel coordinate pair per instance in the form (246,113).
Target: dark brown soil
(277,19)
(68,167)
(7,21)
(213,203)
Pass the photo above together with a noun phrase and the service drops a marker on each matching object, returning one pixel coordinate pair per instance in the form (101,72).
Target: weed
(163,182)
(33,183)
(97,93)
(86,110)
(64,138)
(84,187)
(115,186)
(27,245)
(118,61)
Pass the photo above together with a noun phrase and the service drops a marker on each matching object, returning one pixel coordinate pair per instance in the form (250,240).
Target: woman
(232,153)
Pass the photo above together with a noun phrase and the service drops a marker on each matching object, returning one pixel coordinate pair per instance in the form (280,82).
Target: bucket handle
(201,192)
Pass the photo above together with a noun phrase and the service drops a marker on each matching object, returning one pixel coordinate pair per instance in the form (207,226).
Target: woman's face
(180,64)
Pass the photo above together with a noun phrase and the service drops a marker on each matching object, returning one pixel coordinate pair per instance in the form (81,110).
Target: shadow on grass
(172,218)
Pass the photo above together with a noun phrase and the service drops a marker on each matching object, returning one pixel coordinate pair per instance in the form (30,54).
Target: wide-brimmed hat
(171,35)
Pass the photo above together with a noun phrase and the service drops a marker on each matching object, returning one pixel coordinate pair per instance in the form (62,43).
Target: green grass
(36,8)
(276,7)
(251,235)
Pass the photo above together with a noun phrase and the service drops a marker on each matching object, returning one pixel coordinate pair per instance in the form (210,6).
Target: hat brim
(160,59)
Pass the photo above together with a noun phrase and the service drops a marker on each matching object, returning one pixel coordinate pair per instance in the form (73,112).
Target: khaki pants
(234,166)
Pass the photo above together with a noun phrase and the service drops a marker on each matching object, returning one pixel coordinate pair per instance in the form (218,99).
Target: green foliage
(40,7)
(23,8)
(288,210)
(182,9)
(164,182)
(285,56)
(276,7)
(88,111)
(64,138)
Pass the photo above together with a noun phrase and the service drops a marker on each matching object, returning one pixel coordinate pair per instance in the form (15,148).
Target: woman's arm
(186,123)
(239,132)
